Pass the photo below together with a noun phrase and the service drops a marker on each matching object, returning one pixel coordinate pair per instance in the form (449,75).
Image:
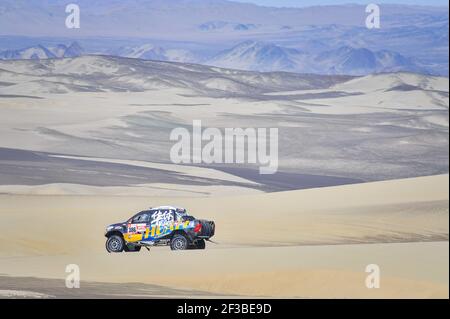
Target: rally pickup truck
(159,226)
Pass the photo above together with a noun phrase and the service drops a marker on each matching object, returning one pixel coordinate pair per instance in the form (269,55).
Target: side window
(141,218)
(178,217)
(179,214)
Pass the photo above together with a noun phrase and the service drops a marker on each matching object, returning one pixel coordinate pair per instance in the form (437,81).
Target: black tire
(115,244)
(179,242)
(199,244)
(132,248)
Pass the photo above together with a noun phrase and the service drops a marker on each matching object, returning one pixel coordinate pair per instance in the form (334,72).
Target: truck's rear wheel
(179,242)
(199,244)
(131,248)
(115,244)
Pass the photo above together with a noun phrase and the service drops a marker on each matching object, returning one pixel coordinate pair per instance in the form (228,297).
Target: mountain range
(41,52)
(321,39)
(250,55)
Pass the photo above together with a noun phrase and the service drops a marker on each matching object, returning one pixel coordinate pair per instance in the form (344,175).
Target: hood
(117,226)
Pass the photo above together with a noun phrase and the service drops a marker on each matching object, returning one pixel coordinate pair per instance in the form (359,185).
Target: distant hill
(125,74)
(41,52)
(251,55)
(152,52)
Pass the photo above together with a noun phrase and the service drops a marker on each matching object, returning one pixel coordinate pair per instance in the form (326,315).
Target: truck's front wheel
(115,244)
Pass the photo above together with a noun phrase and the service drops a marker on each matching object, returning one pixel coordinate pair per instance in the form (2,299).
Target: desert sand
(303,244)
(79,152)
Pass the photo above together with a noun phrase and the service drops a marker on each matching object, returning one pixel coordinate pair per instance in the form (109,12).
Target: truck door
(137,228)
(161,221)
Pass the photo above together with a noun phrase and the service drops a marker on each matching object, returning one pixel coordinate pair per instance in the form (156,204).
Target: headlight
(109,228)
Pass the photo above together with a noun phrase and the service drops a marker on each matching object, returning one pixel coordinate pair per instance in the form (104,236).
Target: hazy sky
(302,3)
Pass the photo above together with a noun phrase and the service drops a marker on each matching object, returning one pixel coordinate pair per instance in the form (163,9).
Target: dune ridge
(302,244)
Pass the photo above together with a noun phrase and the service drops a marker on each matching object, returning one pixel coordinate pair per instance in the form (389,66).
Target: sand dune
(155,189)
(308,243)
(296,271)
(376,127)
